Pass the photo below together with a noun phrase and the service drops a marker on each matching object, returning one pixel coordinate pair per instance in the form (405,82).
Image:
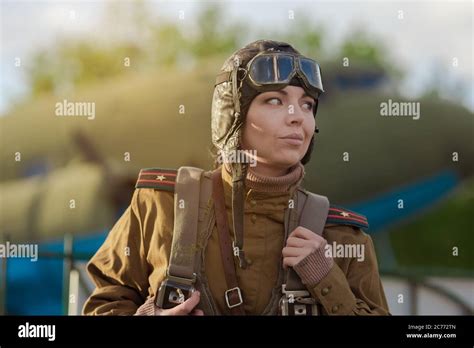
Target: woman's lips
(293,141)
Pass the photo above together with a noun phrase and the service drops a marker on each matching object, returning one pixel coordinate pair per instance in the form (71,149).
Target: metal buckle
(294,293)
(297,302)
(227,297)
(174,291)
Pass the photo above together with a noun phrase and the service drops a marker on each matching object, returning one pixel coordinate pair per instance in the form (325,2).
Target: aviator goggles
(274,70)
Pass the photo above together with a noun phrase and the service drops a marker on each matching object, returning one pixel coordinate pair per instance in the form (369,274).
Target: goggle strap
(223,77)
(235,91)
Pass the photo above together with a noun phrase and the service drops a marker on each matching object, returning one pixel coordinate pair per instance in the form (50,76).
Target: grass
(428,242)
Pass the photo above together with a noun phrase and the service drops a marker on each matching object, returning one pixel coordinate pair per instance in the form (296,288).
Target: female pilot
(245,238)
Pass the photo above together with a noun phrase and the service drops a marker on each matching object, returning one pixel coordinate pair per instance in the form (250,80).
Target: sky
(421,36)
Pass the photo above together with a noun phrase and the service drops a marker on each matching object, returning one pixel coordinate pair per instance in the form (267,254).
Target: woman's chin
(287,162)
(288,158)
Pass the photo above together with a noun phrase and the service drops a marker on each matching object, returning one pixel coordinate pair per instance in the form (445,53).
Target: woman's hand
(300,243)
(185,308)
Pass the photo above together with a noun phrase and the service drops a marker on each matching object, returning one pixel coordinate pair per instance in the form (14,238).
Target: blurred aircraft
(75,175)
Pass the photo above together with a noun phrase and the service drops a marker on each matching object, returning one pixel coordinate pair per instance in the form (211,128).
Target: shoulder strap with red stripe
(343,216)
(157,178)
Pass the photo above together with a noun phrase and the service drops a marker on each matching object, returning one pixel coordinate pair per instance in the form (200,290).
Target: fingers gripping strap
(186,210)
(293,282)
(312,210)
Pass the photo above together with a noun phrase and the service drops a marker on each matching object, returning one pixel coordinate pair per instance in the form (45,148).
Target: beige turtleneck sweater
(283,183)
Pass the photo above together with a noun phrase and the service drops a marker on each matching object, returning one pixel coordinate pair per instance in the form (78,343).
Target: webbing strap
(312,210)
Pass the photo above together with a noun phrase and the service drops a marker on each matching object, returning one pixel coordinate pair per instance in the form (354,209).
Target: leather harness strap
(233,295)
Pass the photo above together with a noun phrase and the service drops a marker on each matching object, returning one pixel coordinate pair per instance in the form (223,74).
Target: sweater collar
(260,183)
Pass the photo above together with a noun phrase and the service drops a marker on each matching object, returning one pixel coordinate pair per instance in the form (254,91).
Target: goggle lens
(311,72)
(262,70)
(285,67)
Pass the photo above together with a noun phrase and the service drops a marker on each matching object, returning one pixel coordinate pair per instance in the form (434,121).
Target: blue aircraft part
(383,210)
(35,287)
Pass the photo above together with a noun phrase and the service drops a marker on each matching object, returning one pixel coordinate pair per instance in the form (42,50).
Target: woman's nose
(295,113)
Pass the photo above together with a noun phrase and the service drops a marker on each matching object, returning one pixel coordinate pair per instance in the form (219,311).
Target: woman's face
(279,126)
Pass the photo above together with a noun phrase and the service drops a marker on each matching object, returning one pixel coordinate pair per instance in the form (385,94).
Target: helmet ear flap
(307,155)
(315,111)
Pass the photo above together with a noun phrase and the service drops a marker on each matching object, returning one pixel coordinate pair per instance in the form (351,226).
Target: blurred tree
(167,43)
(368,52)
(359,47)
(73,63)
(214,35)
(307,37)
(131,32)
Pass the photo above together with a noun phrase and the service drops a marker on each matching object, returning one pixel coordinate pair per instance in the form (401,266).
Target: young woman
(264,245)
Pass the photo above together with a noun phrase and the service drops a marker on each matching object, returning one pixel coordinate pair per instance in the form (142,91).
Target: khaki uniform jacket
(130,265)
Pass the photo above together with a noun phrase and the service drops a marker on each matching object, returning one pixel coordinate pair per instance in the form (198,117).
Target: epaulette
(157,178)
(343,216)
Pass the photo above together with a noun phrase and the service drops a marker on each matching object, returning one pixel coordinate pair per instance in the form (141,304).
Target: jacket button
(253,218)
(325,291)
(335,308)
(253,202)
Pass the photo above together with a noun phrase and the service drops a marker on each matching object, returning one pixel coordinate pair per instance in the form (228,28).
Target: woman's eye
(274,101)
(309,105)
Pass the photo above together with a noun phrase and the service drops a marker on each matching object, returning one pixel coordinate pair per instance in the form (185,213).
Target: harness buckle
(174,291)
(297,303)
(233,297)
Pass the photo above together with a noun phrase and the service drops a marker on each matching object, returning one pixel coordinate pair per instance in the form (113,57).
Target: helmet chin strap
(239,172)
(238,185)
